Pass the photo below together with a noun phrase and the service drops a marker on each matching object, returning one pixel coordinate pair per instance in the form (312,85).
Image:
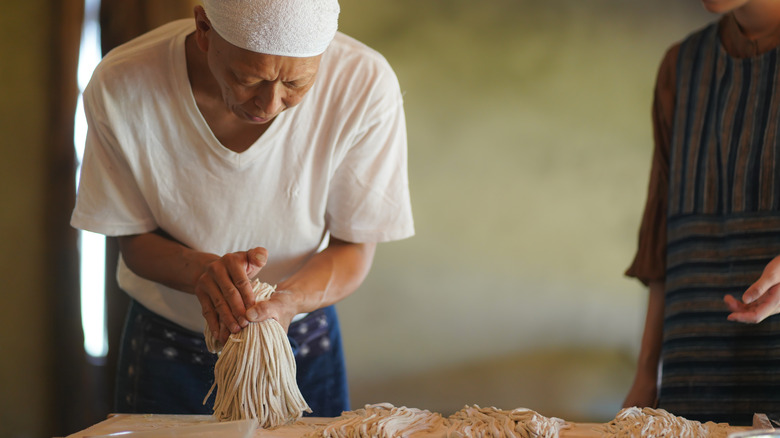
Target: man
(255,142)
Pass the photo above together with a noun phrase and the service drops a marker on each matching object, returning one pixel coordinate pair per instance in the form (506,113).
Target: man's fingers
(223,335)
(257,257)
(751,316)
(767,304)
(230,306)
(277,307)
(238,291)
(733,304)
(225,289)
(769,279)
(756,311)
(755,290)
(761,299)
(222,307)
(209,313)
(227,299)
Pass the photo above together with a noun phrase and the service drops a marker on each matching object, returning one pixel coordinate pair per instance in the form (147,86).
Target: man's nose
(269,98)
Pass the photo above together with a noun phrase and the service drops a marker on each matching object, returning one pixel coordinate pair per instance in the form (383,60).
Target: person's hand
(281,306)
(760,300)
(224,290)
(643,393)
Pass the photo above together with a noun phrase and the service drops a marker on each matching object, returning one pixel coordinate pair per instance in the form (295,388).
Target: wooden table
(155,425)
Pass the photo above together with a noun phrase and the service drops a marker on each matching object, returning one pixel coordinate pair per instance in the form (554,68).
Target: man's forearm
(331,275)
(652,337)
(159,258)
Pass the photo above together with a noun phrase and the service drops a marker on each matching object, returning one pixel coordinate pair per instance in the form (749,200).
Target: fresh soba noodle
(255,373)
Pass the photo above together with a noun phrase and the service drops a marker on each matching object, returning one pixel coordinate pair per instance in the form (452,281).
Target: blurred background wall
(529,150)
(530,143)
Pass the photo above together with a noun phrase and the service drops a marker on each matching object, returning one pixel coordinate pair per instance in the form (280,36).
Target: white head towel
(299,28)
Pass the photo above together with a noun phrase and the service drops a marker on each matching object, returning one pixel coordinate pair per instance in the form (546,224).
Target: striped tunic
(723,227)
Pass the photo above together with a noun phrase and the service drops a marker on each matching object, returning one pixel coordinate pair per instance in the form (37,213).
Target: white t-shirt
(335,163)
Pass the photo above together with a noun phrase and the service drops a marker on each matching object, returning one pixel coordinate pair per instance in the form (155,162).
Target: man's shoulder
(148,47)
(143,57)
(350,60)
(347,51)
(344,42)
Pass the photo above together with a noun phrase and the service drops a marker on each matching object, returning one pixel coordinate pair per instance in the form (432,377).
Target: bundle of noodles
(381,420)
(474,421)
(255,373)
(651,423)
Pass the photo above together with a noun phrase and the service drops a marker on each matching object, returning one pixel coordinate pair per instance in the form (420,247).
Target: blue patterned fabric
(166,369)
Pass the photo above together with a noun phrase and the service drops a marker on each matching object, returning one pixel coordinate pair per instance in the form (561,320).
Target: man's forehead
(247,64)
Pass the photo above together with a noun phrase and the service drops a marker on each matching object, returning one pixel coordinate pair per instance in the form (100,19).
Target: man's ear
(202,28)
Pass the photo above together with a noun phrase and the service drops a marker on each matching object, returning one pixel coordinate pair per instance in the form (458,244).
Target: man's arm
(221,284)
(643,392)
(327,278)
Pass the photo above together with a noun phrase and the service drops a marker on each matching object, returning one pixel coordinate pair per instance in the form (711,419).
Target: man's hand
(281,306)
(224,290)
(760,300)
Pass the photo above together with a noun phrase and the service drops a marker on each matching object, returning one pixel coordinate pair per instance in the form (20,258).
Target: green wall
(24,388)
(530,144)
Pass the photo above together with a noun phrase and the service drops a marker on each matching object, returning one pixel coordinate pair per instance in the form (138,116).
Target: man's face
(256,87)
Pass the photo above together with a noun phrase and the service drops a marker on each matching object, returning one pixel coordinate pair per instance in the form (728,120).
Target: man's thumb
(257,257)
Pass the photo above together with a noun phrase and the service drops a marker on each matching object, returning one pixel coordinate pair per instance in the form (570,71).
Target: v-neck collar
(198,122)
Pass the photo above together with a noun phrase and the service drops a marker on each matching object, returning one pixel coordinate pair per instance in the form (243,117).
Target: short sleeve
(108,199)
(369,197)
(650,260)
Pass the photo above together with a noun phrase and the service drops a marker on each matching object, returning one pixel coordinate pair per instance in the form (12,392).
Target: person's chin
(717,6)
(258,120)
(252,118)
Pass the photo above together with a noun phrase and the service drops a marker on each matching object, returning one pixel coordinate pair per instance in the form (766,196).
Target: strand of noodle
(254,375)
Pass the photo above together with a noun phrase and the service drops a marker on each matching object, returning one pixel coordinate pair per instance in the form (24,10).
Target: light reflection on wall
(92,247)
